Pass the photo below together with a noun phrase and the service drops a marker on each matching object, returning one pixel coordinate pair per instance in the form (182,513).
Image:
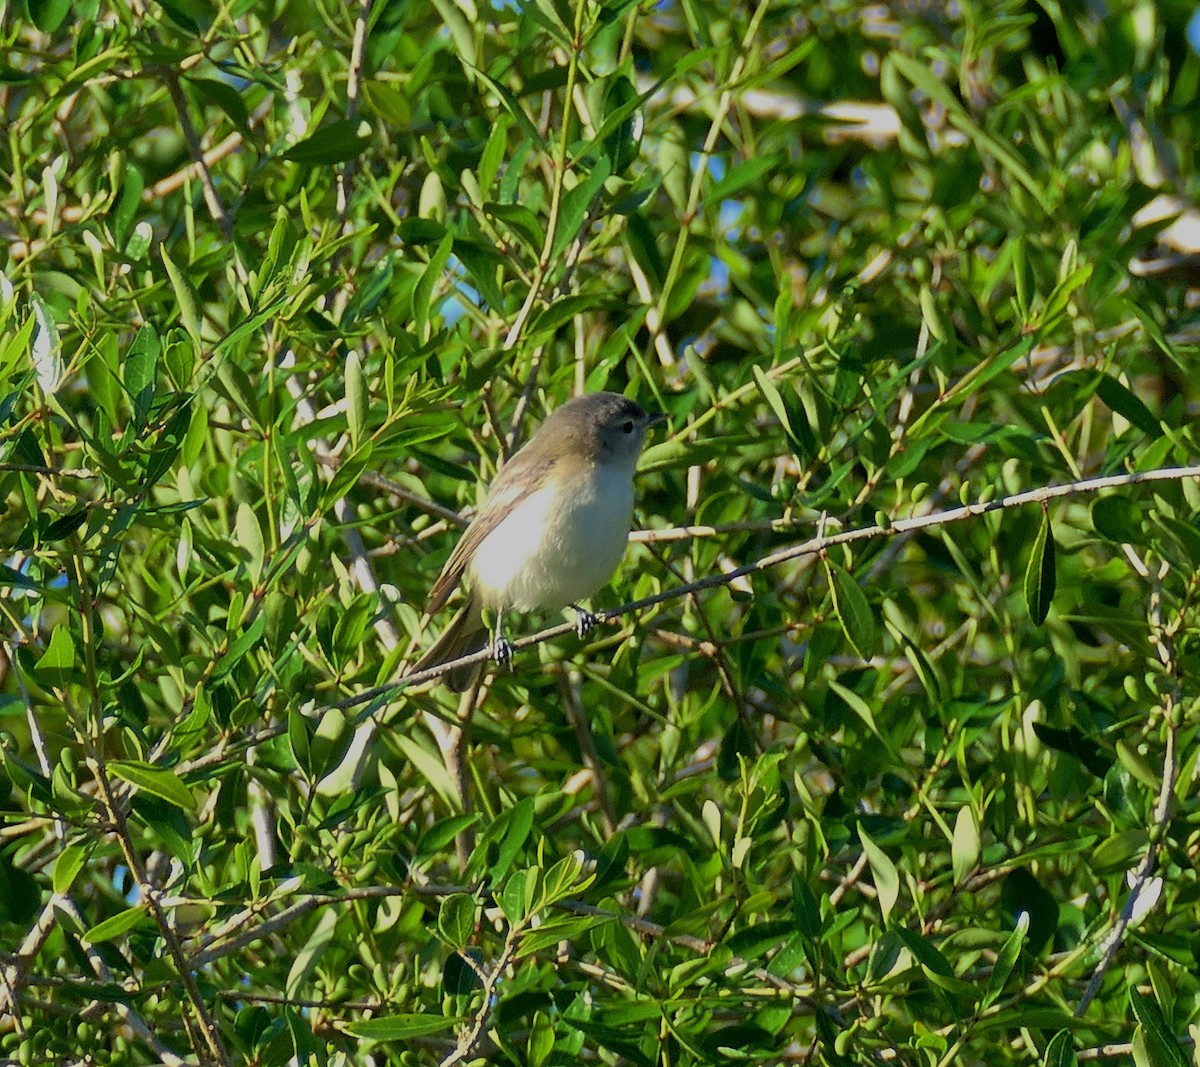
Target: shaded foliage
(284,283)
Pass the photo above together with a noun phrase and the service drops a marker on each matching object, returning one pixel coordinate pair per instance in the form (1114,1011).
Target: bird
(551,532)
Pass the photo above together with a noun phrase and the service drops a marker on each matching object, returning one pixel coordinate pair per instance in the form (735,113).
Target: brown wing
(510,486)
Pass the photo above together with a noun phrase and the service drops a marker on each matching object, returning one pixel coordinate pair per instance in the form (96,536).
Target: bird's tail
(464,635)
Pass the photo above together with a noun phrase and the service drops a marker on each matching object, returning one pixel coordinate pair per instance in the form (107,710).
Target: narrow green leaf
(67,867)
(514,897)
(1040,573)
(1006,960)
(337,142)
(167,447)
(575,206)
(402,1027)
(518,821)
(356,399)
(239,648)
(250,540)
(441,833)
(562,311)
(520,222)
(925,952)
(964,849)
(775,401)
(1061,1051)
(623,122)
(57,665)
(45,347)
(185,298)
(752,172)
(299,738)
(852,610)
(883,872)
(1128,406)
(157,781)
(1161,1045)
(116,925)
(140,371)
(933,87)
(64,526)
(422,293)
(999,363)
(312,948)
(430,767)
(541,1040)
(346,475)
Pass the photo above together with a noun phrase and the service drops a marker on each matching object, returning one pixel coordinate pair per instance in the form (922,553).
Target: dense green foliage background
(284,282)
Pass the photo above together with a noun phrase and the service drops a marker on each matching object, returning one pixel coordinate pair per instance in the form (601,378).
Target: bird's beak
(654,418)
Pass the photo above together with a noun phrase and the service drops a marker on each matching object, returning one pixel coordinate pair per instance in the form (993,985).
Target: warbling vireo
(552,530)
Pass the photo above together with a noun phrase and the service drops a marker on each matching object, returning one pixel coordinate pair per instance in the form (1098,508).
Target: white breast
(556,548)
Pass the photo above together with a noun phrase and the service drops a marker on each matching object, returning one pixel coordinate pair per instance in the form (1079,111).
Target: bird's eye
(627,426)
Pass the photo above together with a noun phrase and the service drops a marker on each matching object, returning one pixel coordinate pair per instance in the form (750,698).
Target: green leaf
(1061,1051)
(883,873)
(1125,404)
(964,849)
(56,668)
(299,741)
(337,142)
(576,203)
(541,1040)
(64,526)
(403,1027)
(1040,573)
(800,436)
(741,177)
(115,925)
(45,347)
(157,781)
(311,950)
(440,834)
(140,371)
(48,15)
(238,649)
(67,867)
(564,310)
(356,399)
(1117,518)
(623,122)
(422,294)
(928,82)
(852,610)
(1006,960)
(430,767)
(520,222)
(515,824)
(1160,1044)
(388,102)
(346,475)
(925,952)
(185,298)
(250,540)
(456,920)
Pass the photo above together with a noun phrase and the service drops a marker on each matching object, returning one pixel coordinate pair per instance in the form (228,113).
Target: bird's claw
(502,652)
(585,622)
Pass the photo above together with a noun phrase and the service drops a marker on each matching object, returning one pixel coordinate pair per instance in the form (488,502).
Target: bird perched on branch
(551,532)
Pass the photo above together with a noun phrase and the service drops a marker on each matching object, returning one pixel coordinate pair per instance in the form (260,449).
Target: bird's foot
(585,621)
(502,651)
